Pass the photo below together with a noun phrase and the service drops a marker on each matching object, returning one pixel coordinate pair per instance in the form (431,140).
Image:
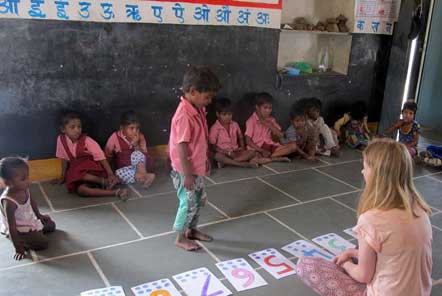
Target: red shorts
(269,147)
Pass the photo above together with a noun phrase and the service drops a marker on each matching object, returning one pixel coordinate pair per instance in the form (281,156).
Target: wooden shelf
(316,32)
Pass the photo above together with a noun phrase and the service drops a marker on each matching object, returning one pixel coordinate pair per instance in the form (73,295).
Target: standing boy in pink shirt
(188,148)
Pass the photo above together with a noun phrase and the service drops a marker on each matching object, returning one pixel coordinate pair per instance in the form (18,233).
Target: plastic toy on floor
(432,156)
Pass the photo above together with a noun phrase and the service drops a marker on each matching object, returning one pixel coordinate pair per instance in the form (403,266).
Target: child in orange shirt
(394,234)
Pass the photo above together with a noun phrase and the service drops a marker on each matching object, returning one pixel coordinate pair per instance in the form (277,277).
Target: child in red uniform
(128,149)
(84,163)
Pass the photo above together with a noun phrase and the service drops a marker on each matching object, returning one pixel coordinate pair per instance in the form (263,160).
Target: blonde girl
(393,229)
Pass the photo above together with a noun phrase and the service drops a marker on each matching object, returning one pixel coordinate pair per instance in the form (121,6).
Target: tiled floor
(103,242)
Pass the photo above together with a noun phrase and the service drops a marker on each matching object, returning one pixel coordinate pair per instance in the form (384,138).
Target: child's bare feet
(261,160)
(122,194)
(183,242)
(198,235)
(281,159)
(148,180)
(111,182)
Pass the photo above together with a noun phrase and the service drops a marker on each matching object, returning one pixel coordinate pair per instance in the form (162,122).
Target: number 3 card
(162,287)
(240,274)
(274,263)
(333,242)
(201,282)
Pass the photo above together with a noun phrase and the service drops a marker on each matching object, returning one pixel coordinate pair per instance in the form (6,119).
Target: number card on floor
(333,242)
(274,263)
(162,287)
(305,248)
(201,282)
(240,274)
(110,291)
(350,232)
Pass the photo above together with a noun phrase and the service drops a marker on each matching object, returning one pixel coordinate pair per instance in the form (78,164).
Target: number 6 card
(274,263)
(240,274)
(162,287)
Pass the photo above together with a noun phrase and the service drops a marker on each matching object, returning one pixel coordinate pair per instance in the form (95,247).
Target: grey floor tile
(67,276)
(7,252)
(234,173)
(347,154)
(295,164)
(84,229)
(430,190)
(317,218)
(437,220)
(347,172)
(163,183)
(37,195)
(307,185)
(156,214)
(422,170)
(436,291)
(150,260)
(62,200)
(240,237)
(288,286)
(350,199)
(438,176)
(245,197)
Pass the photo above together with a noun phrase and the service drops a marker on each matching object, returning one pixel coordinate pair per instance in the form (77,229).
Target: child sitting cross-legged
(227,140)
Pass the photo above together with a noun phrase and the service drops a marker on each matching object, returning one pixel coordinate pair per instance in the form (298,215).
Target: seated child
(408,128)
(353,128)
(21,221)
(261,127)
(227,139)
(84,163)
(128,148)
(326,138)
(301,135)
(394,255)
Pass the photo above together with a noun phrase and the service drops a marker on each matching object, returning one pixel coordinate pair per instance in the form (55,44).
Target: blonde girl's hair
(390,184)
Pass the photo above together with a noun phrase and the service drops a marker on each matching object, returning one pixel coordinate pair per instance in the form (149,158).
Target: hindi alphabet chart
(163,287)
(201,282)
(376,16)
(252,13)
(307,249)
(240,274)
(333,243)
(274,263)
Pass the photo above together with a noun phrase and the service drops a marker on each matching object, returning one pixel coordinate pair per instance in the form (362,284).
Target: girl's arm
(389,131)
(37,211)
(362,272)
(10,209)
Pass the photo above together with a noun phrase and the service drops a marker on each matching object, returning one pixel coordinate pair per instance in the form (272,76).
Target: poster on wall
(376,16)
(253,13)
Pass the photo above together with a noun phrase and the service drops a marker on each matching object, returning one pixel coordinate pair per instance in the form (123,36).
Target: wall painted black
(103,69)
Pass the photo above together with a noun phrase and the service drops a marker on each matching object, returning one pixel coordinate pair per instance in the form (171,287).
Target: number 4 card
(333,242)
(201,282)
(241,275)
(162,287)
(274,263)
(305,248)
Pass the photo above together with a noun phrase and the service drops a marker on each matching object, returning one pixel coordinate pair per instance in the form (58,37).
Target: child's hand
(45,219)
(19,252)
(189,182)
(399,123)
(342,258)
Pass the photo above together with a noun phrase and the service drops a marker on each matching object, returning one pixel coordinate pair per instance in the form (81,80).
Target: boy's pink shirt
(92,148)
(189,125)
(403,248)
(259,133)
(221,138)
(113,145)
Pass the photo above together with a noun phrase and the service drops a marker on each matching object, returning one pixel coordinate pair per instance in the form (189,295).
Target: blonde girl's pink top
(403,248)
(25,218)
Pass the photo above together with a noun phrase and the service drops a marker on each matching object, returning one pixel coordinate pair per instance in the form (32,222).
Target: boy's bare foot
(111,182)
(148,180)
(198,235)
(262,160)
(186,244)
(281,159)
(122,194)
